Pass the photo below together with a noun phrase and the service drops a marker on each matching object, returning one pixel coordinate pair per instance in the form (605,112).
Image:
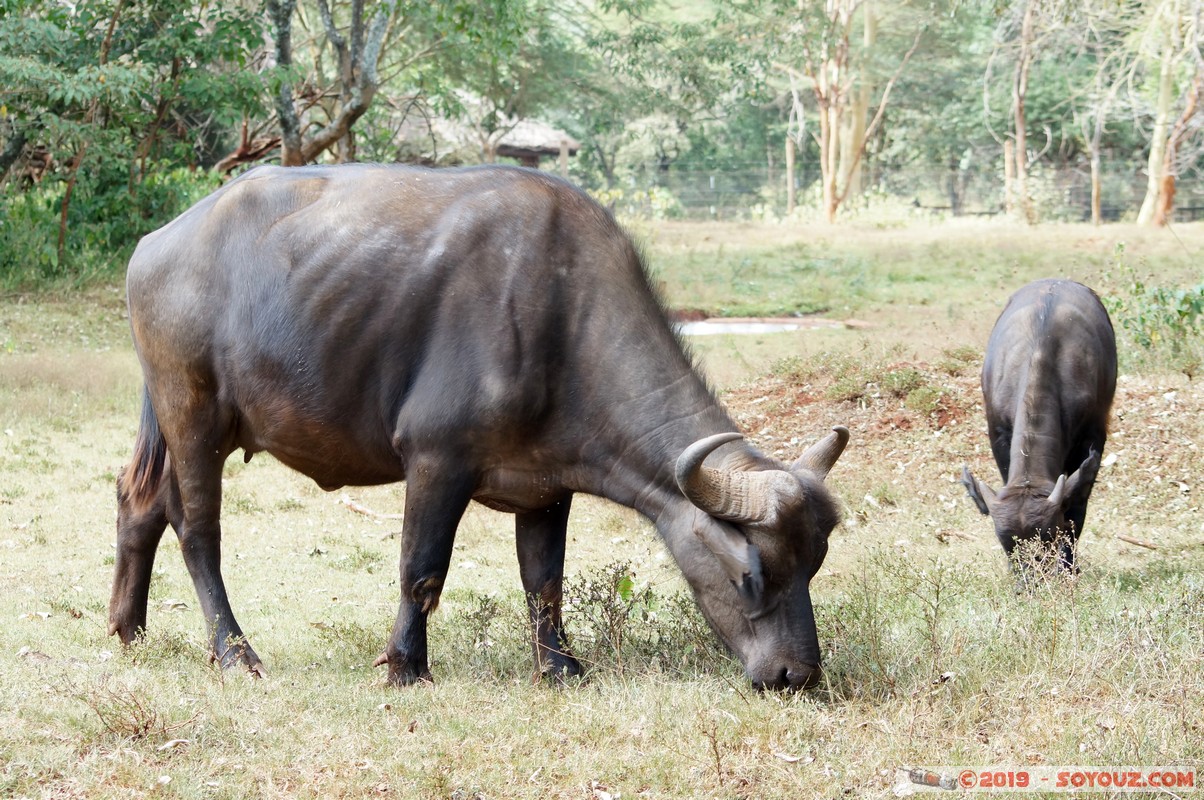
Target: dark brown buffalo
(484,334)
(1047,385)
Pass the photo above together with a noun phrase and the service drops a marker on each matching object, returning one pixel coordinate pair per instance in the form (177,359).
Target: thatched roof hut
(438,140)
(530,140)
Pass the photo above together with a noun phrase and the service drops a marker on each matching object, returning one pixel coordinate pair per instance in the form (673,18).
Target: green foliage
(103,227)
(654,203)
(1161,327)
(870,381)
(959,360)
(924,399)
(117,96)
(619,624)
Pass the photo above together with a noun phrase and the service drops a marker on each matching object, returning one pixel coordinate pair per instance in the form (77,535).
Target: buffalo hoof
(239,654)
(128,633)
(402,673)
(408,677)
(560,672)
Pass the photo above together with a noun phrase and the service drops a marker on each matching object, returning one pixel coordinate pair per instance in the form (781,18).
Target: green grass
(931,656)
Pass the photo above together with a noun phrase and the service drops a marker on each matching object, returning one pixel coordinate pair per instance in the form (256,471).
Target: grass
(931,656)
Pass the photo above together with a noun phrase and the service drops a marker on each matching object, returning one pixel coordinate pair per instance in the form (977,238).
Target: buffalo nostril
(792,678)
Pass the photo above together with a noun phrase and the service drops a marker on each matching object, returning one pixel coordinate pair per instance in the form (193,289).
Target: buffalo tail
(139,482)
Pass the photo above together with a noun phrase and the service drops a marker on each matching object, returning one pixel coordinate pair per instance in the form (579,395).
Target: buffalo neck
(646,412)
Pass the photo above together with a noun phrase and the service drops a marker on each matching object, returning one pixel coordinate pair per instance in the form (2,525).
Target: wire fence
(758,192)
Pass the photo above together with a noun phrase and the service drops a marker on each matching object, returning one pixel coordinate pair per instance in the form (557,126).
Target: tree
(509,61)
(1026,27)
(106,89)
(677,76)
(1171,38)
(813,47)
(936,138)
(1103,31)
(357,48)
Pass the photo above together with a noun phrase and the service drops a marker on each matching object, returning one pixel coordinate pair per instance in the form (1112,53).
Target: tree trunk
(854,132)
(1170,171)
(1020,118)
(290,123)
(1009,177)
(790,190)
(1097,216)
(12,151)
(358,55)
(829,127)
(77,162)
(1159,136)
(956,187)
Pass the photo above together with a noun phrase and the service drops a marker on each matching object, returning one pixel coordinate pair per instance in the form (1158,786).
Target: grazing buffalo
(1047,384)
(484,334)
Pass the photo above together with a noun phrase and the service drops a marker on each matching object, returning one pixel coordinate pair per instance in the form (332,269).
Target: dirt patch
(1148,488)
(779,405)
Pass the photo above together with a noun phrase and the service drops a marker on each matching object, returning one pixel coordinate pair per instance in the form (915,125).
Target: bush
(1158,327)
(653,203)
(105,221)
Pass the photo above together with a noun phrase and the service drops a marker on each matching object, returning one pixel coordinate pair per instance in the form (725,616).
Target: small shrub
(957,361)
(489,636)
(358,643)
(1160,327)
(129,714)
(653,203)
(902,381)
(924,400)
(615,624)
(161,647)
(847,388)
(798,370)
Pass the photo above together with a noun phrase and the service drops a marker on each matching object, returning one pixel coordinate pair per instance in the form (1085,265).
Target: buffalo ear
(982,495)
(1067,489)
(1084,476)
(739,558)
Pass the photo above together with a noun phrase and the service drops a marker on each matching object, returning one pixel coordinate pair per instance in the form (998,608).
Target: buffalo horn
(1059,491)
(732,495)
(820,456)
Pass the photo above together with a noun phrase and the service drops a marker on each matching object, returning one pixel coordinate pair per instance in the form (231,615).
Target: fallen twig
(367,512)
(1137,542)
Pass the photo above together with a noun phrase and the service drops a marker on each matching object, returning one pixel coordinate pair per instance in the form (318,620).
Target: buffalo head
(1027,513)
(765,526)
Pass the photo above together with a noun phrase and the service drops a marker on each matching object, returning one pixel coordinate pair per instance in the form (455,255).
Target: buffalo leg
(197,462)
(436,496)
(138,533)
(541,536)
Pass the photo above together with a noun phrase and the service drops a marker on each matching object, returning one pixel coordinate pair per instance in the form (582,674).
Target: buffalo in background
(1048,380)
